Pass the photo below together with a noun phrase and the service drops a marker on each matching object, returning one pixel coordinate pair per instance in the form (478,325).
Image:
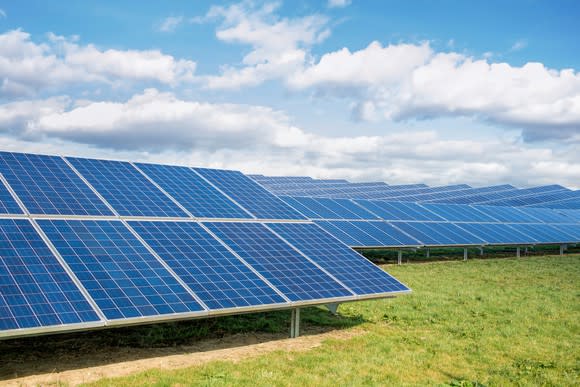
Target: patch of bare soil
(75,364)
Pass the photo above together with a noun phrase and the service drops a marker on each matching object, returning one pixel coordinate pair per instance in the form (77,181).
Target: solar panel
(7,203)
(217,277)
(194,193)
(497,233)
(121,275)
(543,233)
(35,290)
(385,233)
(569,229)
(399,210)
(304,210)
(360,238)
(249,194)
(126,189)
(345,264)
(546,215)
(294,275)
(339,234)
(438,234)
(507,214)
(458,212)
(47,185)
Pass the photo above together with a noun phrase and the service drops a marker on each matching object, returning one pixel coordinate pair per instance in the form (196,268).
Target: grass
(474,323)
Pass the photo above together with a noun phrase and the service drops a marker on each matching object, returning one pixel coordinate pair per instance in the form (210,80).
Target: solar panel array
(87,243)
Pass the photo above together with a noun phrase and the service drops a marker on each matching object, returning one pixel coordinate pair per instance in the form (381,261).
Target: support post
(428,253)
(526,250)
(400,257)
(295,323)
(333,308)
(562,248)
(518,251)
(465,254)
(480,250)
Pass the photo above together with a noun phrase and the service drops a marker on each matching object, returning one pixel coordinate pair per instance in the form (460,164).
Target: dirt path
(74,369)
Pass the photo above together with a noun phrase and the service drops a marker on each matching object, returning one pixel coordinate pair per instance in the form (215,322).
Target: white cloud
(170,23)
(403,81)
(338,3)
(519,45)
(279,45)
(160,127)
(27,67)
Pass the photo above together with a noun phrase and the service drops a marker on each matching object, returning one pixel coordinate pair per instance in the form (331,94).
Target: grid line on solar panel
(123,278)
(349,267)
(47,185)
(35,290)
(8,205)
(193,192)
(126,189)
(249,194)
(215,275)
(293,274)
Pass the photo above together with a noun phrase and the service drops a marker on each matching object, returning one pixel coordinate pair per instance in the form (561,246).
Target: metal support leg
(400,257)
(333,308)
(428,253)
(481,250)
(518,251)
(465,254)
(526,250)
(562,248)
(295,323)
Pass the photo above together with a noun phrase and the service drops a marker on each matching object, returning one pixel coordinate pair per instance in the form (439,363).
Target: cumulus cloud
(279,45)
(170,23)
(403,81)
(161,127)
(338,3)
(27,67)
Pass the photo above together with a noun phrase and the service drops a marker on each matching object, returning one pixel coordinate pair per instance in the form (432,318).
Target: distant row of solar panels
(87,243)
(553,196)
(375,223)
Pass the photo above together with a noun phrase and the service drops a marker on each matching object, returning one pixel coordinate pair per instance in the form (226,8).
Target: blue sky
(401,91)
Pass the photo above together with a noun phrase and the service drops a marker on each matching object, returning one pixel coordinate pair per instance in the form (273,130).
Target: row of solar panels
(325,208)
(552,196)
(68,274)
(51,185)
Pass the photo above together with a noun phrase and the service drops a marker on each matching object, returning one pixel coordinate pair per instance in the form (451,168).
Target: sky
(430,92)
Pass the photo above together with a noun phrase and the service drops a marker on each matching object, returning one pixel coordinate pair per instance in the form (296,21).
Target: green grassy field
(481,322)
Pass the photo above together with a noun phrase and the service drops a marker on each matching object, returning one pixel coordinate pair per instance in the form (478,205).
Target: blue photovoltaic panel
(349,267)
(7,203)
(356,209)
(546,215)
(569,229)
(393,232)
(47,185)
(118,271)
(438,233)
(294,275)
(543,233)
(507,214)
(307,212)
(216,276)
(364,238)
(315,207)
(497,233)
(35,290)
(399,210)
(458,212)
(249,194)
(126,189)
(343,236)
(193,192)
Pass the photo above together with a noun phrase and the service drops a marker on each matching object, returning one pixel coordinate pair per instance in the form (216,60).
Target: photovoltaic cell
(217,277)
(35,290)
(192,192)
(349,267)
(293,274)
(120,274)
(458,212)
(47,185)
(362,237)
(249,194)
(390,236)
(126,189)
(543,233)
(497,233)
